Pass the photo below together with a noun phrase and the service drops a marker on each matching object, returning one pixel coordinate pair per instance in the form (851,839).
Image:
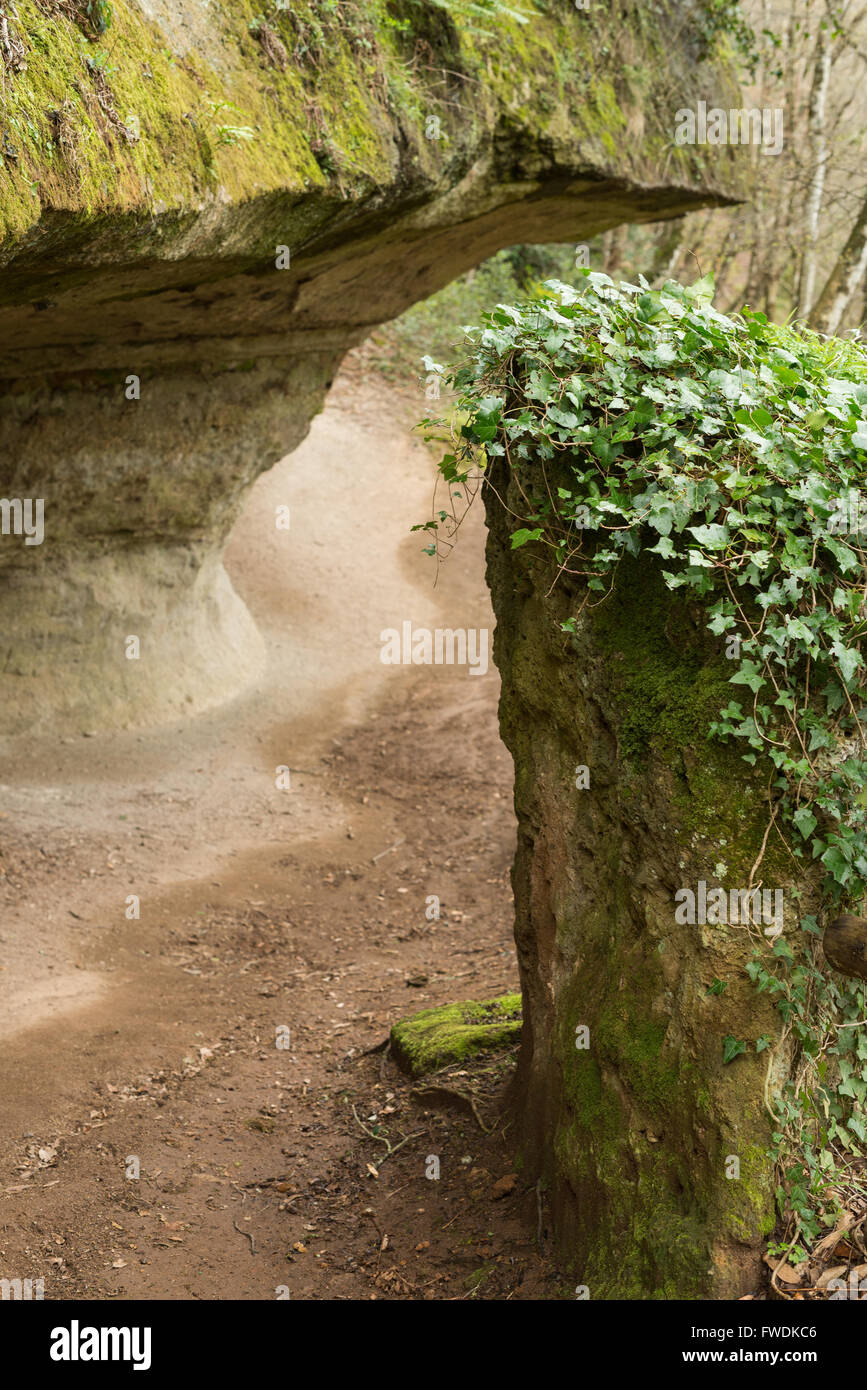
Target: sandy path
(264,908)
(106,816)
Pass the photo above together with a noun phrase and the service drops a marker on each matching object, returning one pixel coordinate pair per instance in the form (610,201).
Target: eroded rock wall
(151,175)
(635,1133)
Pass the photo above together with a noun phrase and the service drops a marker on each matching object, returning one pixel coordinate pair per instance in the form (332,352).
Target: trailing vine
(638,420)
(99,14)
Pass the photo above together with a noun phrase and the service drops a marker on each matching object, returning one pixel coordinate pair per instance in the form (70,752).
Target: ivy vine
(735,450)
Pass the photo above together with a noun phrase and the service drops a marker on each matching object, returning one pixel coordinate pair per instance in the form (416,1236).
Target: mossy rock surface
(635,1132)
(440,1037)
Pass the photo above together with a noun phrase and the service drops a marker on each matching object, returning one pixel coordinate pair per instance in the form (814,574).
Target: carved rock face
(155,357)
(139,497)
(656,1149)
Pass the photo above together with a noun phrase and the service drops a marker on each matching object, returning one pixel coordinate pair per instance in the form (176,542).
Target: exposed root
(13,50)
(274,50)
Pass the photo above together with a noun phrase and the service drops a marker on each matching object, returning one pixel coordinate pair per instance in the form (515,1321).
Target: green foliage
(820,1125)
(727,447)
(476,13)
(717,18)
(639,421)
(312,31)
(226,134)
(732,1048)
(99,15)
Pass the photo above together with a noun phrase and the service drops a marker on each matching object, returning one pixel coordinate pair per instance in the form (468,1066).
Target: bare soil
(266,1169)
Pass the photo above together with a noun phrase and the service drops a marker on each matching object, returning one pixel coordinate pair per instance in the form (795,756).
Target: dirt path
(154,1039)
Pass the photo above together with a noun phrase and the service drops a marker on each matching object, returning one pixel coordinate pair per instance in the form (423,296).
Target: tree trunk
(613,248)
(819,161)
(843,282)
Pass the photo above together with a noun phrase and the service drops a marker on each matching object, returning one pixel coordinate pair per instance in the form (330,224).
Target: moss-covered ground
(439,1037)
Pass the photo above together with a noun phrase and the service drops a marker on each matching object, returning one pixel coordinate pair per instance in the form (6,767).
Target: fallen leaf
(787,1274)
(829,1242)
(843,1250)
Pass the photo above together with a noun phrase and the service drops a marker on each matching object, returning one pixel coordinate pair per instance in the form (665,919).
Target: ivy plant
(99,13)
(735,450)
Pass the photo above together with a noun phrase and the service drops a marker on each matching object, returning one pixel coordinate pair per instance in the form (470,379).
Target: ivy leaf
(749,674)
(702,290)
(663,547)
(836,865)
(805,821)
(849,660)
(566,418)
(732,1048)
(523,536)
(714,537)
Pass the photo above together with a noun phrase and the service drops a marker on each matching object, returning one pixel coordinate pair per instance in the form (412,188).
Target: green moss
(638,1046)
(746,1203)
(641,1114)
(440,1037)
(333,116)
(474,1281)
(647,1212)
(638,1234)
(672,679)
